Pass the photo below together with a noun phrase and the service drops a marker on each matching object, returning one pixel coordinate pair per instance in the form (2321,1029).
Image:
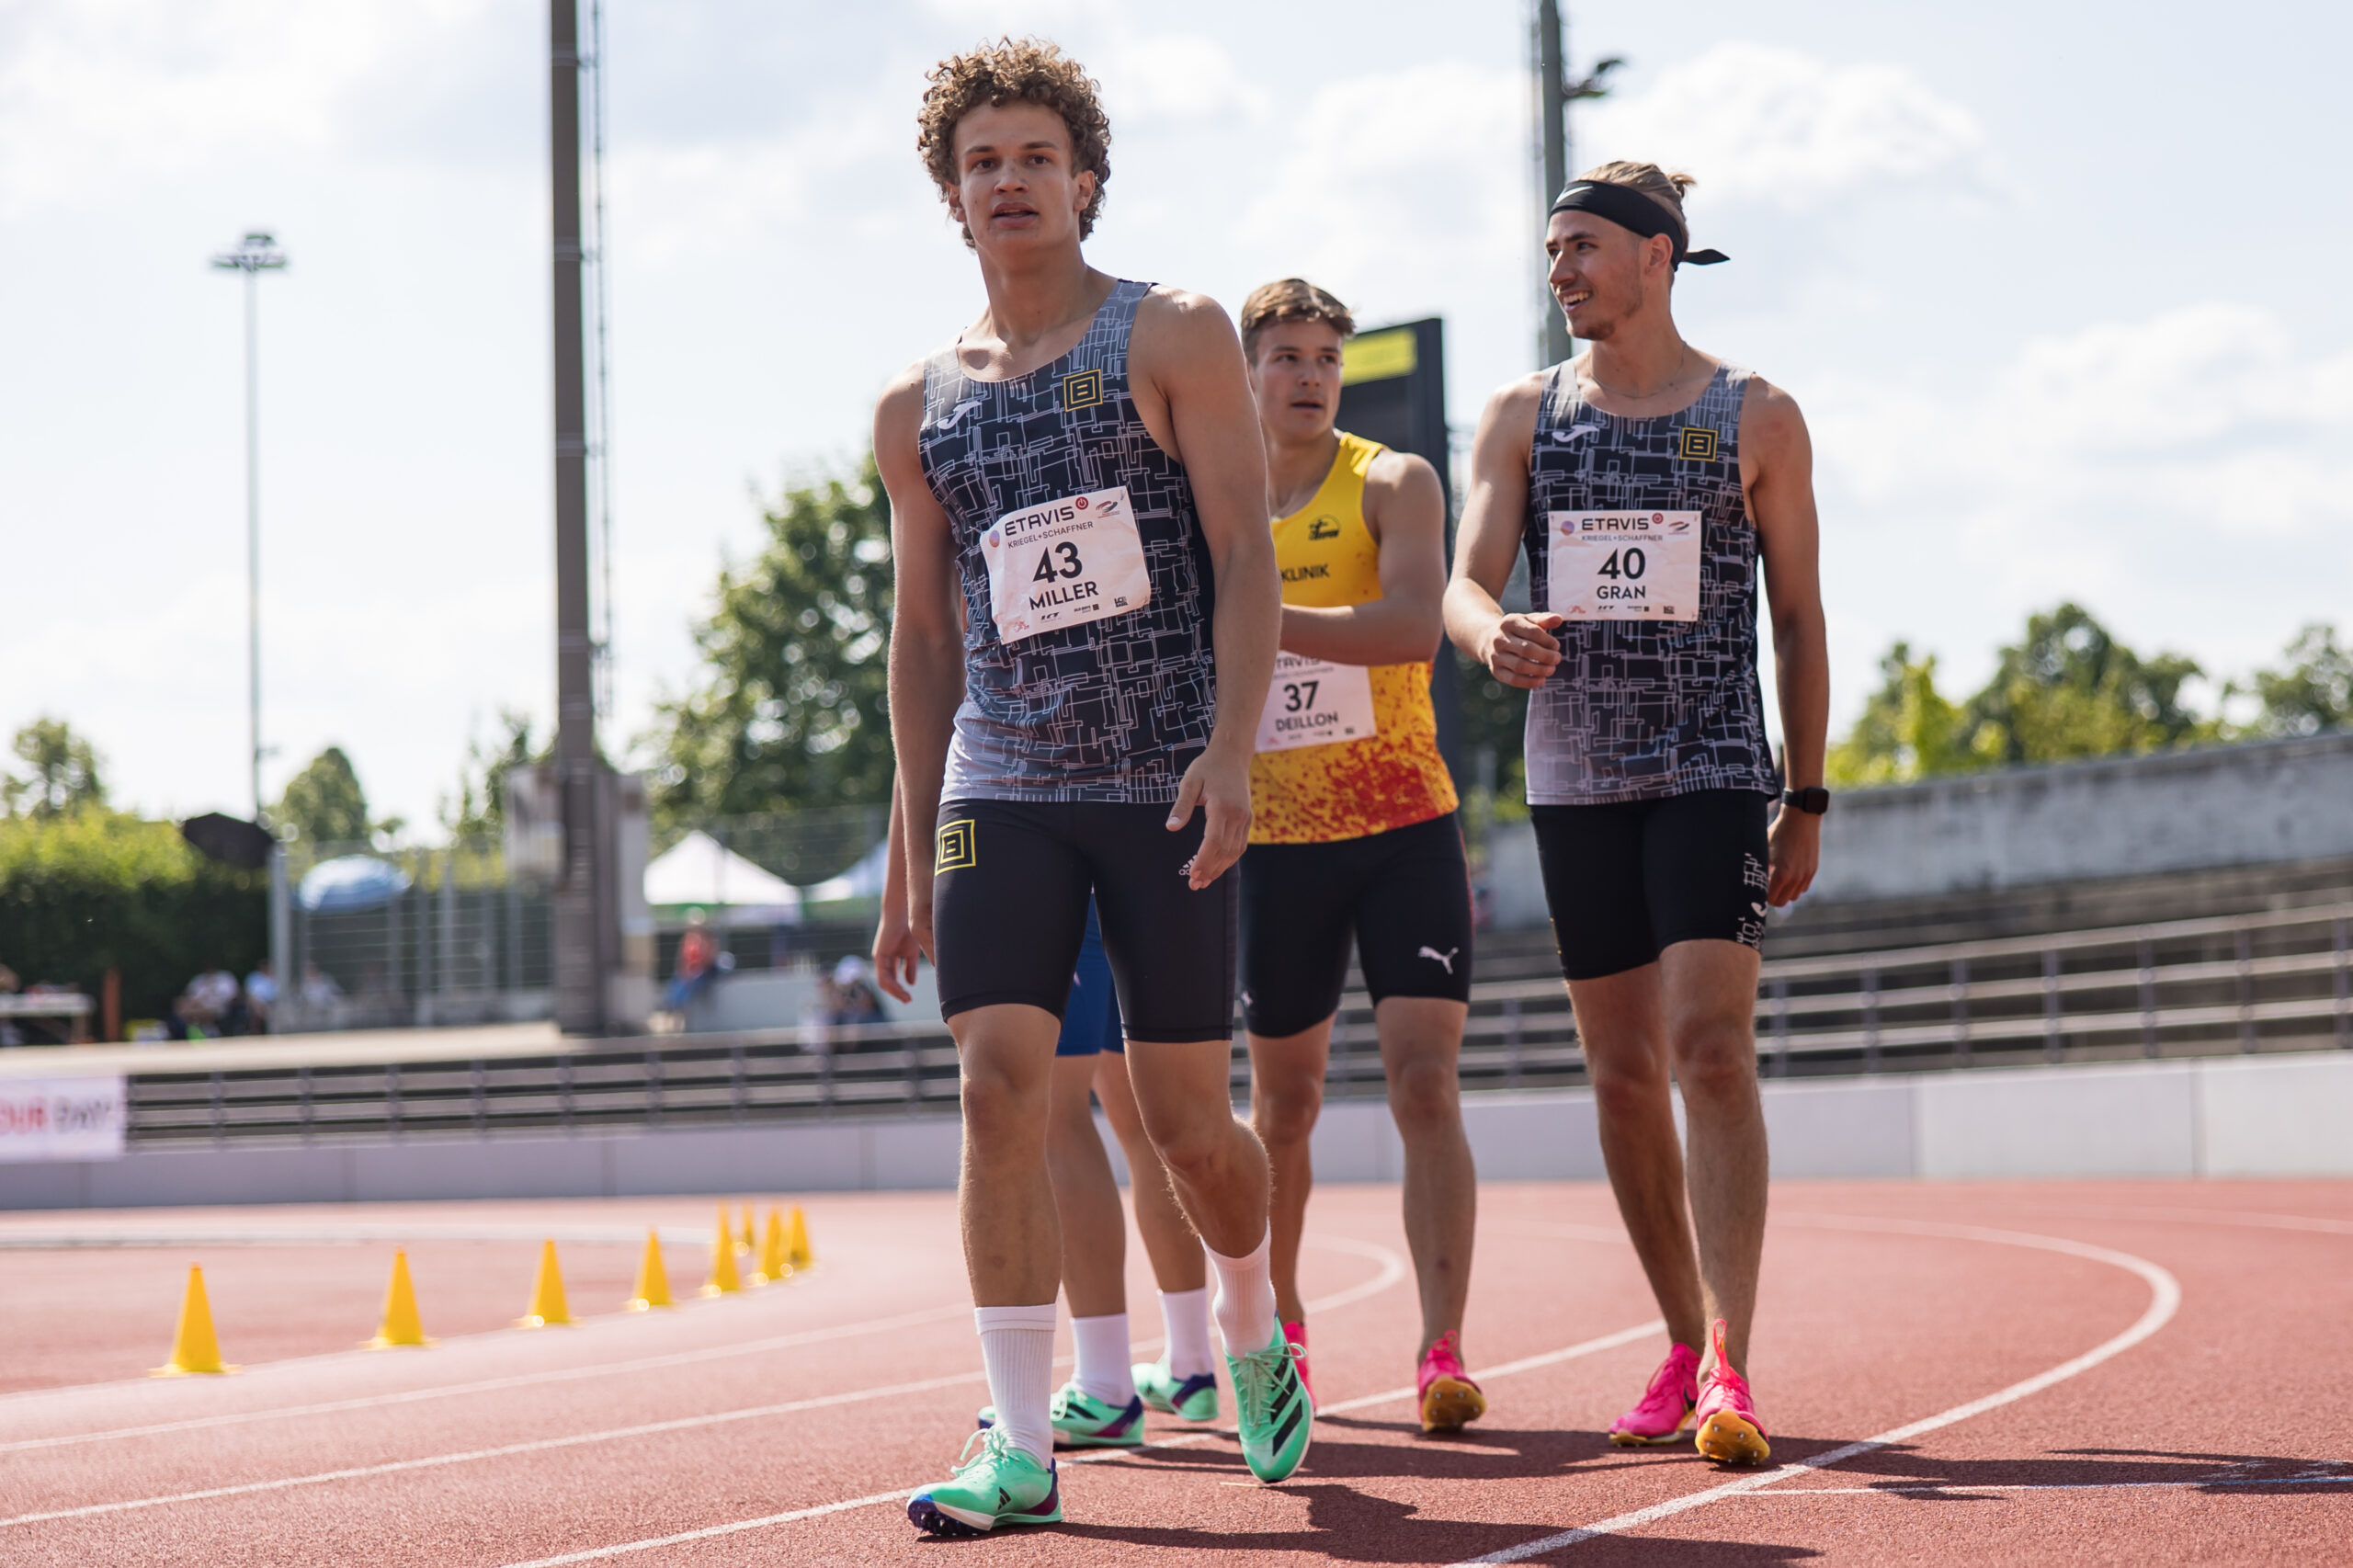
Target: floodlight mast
(1554,94)
(255,254)
(580,960)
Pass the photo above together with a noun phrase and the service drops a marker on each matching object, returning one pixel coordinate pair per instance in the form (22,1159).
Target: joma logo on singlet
(1301,573)
(1083,389)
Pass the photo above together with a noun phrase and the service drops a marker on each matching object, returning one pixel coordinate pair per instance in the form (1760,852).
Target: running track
(2111,1372)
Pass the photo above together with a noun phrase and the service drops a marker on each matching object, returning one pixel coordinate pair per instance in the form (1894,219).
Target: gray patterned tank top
(1109,709)
(1643,708)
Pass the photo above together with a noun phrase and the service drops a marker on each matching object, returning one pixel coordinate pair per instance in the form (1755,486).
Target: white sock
(1245,1297)
(1185,1317)
(1104,1370)
(1017,1349)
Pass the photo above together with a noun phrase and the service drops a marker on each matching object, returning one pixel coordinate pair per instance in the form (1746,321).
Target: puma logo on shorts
(1446,958)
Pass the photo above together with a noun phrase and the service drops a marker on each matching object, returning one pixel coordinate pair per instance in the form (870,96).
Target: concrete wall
(2267,803)
(2231,1116)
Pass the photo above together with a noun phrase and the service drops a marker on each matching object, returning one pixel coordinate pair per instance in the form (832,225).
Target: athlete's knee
(1286,1112)
(1001,1110)
(1200,1152)
(1626,1088)
(1424,1096)
(1716,1062)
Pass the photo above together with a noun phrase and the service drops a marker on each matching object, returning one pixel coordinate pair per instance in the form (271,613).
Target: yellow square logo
(1084,390)
(1697,443)
(955,847)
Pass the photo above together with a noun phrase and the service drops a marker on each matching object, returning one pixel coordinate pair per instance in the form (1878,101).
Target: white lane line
(494,1385)
(1100,1456)
(2165,1300)
(1393,1269)
(1963,1488)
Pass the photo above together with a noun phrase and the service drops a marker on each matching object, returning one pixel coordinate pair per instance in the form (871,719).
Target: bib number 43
(1066,563)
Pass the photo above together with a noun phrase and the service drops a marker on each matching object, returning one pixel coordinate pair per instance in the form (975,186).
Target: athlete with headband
(1647,480)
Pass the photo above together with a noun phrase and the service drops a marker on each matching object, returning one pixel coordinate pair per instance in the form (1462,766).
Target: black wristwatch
(1814,802)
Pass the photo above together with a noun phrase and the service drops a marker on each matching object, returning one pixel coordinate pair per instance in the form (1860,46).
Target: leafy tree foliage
(791,709)
(64,772)
(1909,730)
(2312,692)
(478,809)
(2071,689)
(324,803)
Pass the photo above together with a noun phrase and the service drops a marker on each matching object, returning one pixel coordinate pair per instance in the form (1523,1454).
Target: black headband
(1630,208)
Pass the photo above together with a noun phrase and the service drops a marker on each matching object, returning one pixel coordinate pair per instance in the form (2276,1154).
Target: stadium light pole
(1554,94)
(255,254)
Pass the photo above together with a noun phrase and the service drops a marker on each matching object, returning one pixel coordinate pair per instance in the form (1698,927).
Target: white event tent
(699,871)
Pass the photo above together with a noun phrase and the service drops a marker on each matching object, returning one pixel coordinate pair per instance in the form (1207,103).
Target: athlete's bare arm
(1518,650)
(1405,508)
(1193,394)
(1777,471)
(895,940)
(926,645)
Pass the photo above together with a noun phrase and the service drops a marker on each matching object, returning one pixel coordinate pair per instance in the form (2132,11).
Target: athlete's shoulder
(1512,408)
(898,412)
(1180,322)
(1398,473)
(1771,421)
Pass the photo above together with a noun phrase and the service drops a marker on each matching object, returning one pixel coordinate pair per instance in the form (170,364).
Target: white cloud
(1757,122)
(1178,77)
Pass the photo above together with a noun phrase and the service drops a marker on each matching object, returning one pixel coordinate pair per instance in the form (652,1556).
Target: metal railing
(2269,981)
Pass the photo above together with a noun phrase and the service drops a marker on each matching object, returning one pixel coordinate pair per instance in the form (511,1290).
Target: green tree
(790,712)
(324,803)
(2071,689)
(1909,730)
(2312,692)
(479,808)
(66,772)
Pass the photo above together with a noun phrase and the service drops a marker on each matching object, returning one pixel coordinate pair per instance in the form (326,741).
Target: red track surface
(2212,1433)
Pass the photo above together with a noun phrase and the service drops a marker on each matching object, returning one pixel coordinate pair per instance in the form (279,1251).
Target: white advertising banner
(62,1118)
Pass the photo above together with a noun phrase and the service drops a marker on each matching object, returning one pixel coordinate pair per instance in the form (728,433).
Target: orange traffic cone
(774,1262)
(548,1309)
(401,1325)
(723,1281)
(193,1350)
(796,1248)
(653,1279)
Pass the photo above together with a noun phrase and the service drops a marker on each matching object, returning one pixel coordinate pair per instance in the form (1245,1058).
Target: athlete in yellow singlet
(1353,834)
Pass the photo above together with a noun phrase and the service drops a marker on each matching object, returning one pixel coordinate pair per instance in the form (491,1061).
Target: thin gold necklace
(1636,396)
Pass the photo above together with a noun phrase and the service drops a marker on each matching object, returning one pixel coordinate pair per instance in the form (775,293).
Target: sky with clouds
(2054,285)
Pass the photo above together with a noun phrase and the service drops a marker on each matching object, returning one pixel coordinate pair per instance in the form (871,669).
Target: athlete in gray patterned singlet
(1641,708)
(1646,482)
(1111,709)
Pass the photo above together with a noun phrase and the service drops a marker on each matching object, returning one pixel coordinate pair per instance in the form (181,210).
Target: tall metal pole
(579,961)
(257,253)
(1552,116)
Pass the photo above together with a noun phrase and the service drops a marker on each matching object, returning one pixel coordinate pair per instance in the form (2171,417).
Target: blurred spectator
(699,962)
(205,1005)
(261,996)
(9,1033)
(319,988)
(851,997)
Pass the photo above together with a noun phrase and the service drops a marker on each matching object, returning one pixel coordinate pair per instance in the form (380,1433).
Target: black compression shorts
(1405,895)
(1009,911)
(1628,879)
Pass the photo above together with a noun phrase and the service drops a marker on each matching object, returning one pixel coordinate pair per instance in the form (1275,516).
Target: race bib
(1623,566)
(1064,563)
(1315,702)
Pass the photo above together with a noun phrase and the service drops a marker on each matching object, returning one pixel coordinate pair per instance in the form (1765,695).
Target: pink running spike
(1296,1333)
(1665,1407)
(1730,1432)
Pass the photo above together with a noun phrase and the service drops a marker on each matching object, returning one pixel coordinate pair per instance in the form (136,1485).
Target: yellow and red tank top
(1393,778)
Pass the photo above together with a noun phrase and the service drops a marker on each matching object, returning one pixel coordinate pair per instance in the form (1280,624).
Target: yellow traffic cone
(774,1263)
(653,1279)
(548,1309)
(747,1242)
(796,1249)
(748,1252)
(401,1326)
(193,1350)
(723,1281)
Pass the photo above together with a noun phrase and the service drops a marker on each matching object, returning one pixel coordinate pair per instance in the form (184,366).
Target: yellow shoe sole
(1449,1405)
(1727,1439)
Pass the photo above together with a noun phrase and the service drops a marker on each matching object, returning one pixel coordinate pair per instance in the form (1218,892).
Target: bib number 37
(1315,702)
(1066,563)
(1623,566)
